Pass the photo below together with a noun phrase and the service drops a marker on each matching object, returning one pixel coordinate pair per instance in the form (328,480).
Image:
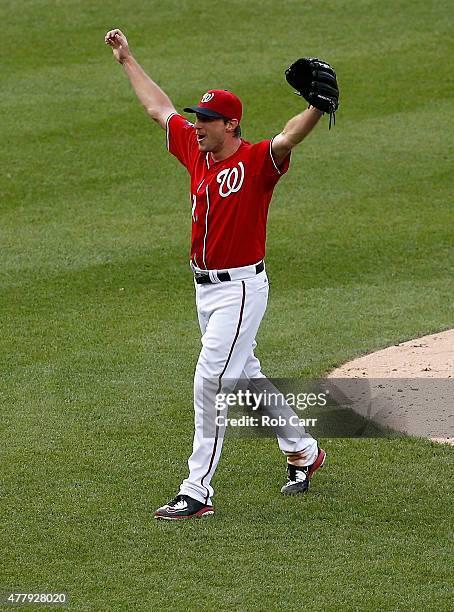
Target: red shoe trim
(318,463)
(204,510)
(199,513)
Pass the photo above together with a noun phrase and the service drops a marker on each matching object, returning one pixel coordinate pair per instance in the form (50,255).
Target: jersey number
(194,204)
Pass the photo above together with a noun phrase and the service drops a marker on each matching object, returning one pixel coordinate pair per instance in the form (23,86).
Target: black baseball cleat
(183,507)
(299,477)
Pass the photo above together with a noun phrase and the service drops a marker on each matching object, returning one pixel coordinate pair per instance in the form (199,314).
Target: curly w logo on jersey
(230,180)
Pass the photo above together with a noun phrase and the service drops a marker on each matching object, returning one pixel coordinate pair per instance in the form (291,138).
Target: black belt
(203,278)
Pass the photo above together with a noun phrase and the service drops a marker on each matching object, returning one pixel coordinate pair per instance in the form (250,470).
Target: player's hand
(119,43)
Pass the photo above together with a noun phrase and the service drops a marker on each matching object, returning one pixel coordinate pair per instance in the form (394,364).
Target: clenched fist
(119,43)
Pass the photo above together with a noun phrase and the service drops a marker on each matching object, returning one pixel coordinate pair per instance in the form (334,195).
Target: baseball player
(231,185)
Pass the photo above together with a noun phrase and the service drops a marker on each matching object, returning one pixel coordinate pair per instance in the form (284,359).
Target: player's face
(211,133)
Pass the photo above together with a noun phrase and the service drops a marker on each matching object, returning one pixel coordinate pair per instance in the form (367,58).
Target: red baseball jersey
(230,198)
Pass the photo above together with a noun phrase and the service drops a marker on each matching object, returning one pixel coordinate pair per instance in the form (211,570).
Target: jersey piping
(206,229)
(272,156)
(168,131)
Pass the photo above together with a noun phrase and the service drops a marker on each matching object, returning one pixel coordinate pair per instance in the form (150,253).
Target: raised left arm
(294,132)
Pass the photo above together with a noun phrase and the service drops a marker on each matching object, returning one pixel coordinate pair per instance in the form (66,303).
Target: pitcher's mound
(426,411)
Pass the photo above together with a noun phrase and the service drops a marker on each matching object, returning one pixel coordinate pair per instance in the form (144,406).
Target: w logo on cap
(218,103)
(207,97)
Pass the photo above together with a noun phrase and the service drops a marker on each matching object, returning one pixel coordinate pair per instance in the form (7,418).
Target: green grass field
(99,337)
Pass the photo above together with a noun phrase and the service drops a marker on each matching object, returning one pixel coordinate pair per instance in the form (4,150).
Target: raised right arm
(157,104)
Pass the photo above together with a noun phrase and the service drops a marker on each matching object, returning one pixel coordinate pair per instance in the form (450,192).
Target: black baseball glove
(316,82)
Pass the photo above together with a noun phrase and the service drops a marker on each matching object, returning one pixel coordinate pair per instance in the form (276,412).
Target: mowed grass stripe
(99,335)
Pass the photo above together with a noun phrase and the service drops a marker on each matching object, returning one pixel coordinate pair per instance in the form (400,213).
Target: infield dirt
(418,408)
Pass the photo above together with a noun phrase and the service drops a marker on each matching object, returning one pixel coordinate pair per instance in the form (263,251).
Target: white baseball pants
(229,315)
